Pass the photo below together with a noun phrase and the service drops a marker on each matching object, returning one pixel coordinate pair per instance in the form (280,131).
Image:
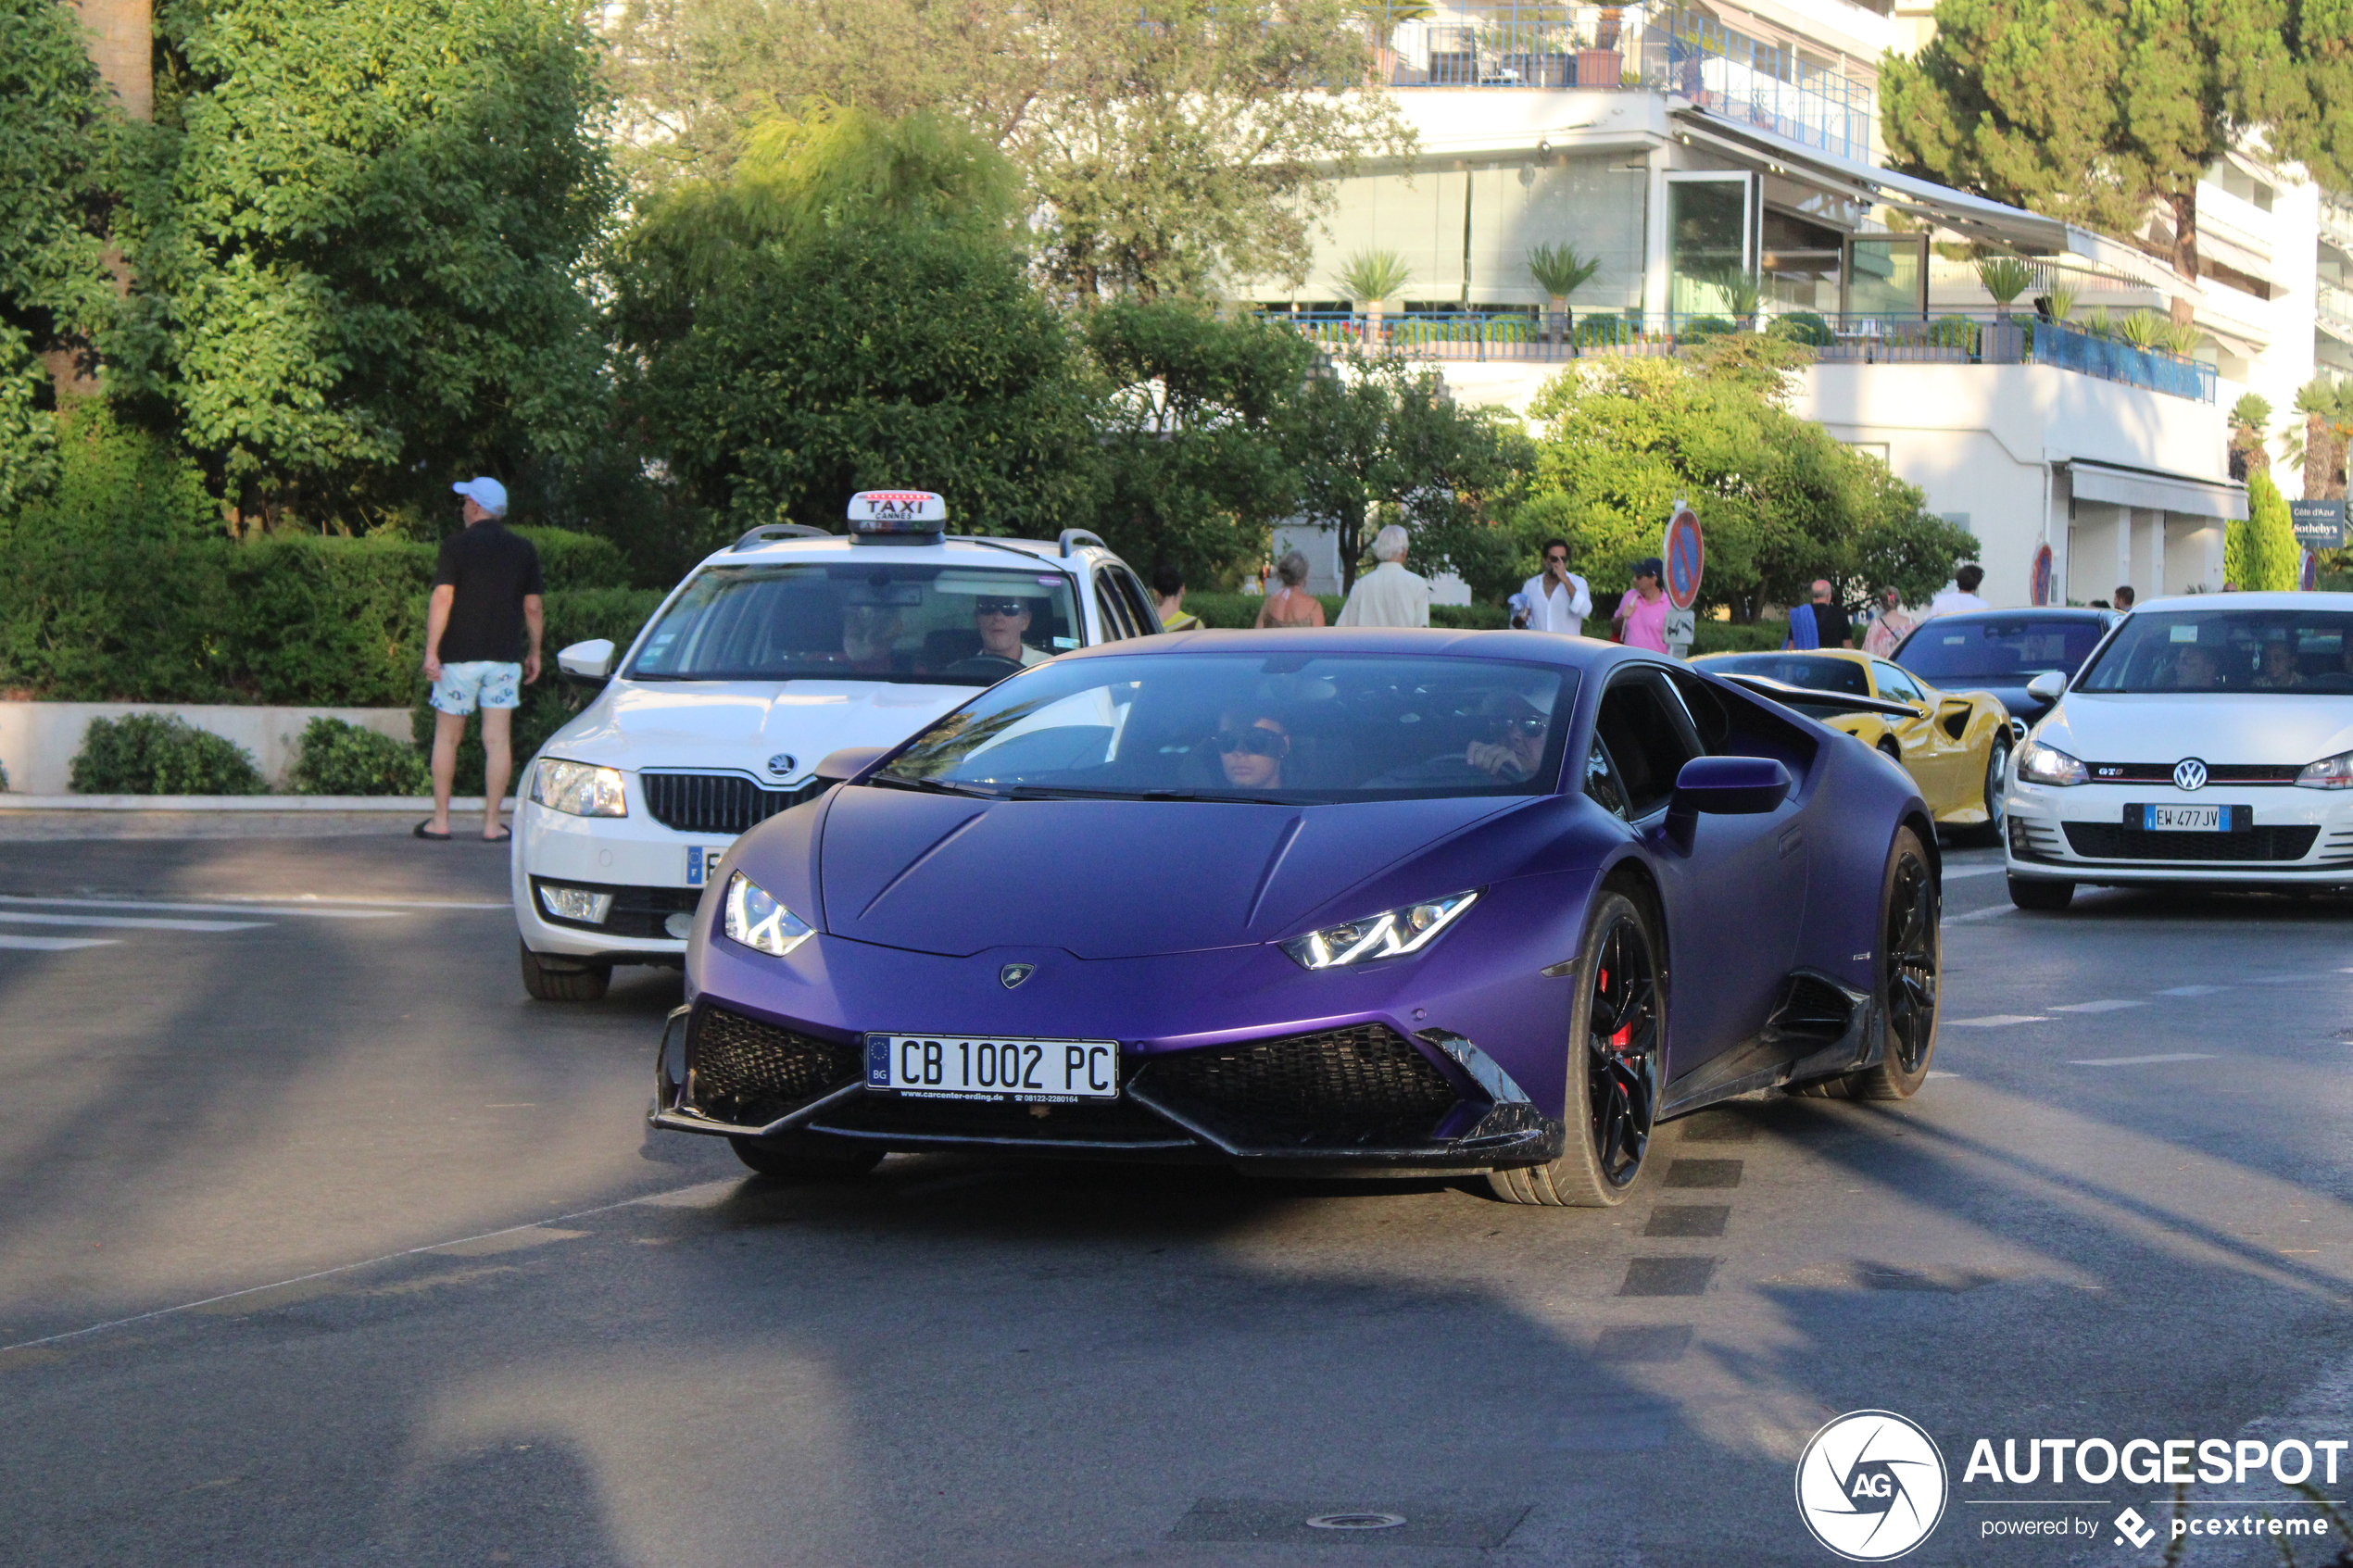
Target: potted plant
(1560,271)
(1370,277)
(2004,278)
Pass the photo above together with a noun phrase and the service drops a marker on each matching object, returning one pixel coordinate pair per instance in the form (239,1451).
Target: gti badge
(1014,974)
(781,764)
(2189,774)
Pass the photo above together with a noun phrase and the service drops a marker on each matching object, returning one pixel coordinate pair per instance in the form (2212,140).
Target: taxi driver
(1517,747)
(1001,618)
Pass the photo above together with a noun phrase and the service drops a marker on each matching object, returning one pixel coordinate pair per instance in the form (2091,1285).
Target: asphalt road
(319,1244)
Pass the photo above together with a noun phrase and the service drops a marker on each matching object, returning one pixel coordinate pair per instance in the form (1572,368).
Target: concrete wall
(38,740)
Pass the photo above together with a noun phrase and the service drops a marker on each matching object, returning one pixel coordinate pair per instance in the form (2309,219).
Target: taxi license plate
(701,861)
(966,1067)
(2186,819)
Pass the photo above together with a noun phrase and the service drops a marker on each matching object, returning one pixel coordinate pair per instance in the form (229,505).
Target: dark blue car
(1418,901)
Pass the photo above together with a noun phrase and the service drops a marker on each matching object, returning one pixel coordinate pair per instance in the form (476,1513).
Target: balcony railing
(1659,48)
(2335,307)
(1956,338)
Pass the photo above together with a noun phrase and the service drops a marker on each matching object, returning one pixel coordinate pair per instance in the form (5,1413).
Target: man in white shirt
(1389,594)
(1962,595)
(1556,599)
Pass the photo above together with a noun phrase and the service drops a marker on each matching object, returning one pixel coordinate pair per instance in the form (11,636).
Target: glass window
(1887,275)
(1649,737)
(2010,652)
(1800,262)
(1140,604)
(1707,245)
(2286,651)
(850,621)
(1814,674)
(1289,727)
(1117,621)
(1894,683)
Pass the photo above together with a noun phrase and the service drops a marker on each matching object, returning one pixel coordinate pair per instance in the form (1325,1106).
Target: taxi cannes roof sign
(891,511)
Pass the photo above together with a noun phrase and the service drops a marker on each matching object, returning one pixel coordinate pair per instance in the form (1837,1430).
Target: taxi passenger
(1251,749)
(1000,622)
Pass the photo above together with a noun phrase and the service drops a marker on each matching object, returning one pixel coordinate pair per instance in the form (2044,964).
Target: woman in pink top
(1641,614)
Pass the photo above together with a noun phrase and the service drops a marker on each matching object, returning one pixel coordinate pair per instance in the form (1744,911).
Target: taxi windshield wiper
(934,786)
(1058,792)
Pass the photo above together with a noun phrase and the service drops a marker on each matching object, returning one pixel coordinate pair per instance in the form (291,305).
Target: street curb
(233,803)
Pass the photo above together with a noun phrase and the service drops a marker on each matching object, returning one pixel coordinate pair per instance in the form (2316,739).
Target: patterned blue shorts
(485,682)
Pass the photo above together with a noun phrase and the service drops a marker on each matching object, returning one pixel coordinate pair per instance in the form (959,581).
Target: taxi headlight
(751,917)
(578,789)
(1391,933)
(2329,773)
(2042,764)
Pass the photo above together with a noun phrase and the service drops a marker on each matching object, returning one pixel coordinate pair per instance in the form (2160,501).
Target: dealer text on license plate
(2185,818)
(963,1067)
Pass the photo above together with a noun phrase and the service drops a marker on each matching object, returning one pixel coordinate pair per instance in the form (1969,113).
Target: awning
(2166,492)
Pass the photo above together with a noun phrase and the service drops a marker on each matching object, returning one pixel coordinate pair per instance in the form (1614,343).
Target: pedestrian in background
(1642,613)
(1832,629)
(483,626)
(1389,594)
(1291,604)
(1962,597)
(2125,597)
(1169,584)
(1889,627)
(1556,600)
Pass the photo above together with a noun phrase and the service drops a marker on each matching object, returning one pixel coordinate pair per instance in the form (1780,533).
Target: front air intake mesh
(748,1072)
(1361,1087)
(717,803)
(2106,841)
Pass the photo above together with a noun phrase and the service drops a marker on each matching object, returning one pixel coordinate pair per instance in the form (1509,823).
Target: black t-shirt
(491,569)
(1832,629)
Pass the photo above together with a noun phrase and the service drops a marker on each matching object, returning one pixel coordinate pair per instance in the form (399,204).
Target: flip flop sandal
(502,838)
(424,829)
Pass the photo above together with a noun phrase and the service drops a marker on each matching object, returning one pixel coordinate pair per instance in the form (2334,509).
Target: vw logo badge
(781,764)
(2189,774)
(1014,974)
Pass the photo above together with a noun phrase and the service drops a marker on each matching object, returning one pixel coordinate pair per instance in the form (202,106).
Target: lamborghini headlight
(2042,764)
(1391,933)
(578,789)
(751,917)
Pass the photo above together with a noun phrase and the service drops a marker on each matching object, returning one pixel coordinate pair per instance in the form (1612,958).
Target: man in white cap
(486,600)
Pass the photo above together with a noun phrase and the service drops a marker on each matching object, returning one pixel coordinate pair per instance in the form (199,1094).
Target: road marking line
(1996,1020)
(2143,1061)
(1974,871)
(1980,914)
(57,944)
(223,908)
(2105,1004)
(2193,990)
(26,917)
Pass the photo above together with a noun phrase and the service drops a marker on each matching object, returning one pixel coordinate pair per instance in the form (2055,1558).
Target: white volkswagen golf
(786,646)
(2207,740)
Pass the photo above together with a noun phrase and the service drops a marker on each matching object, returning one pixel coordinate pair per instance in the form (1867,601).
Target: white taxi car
(2207,740)
(788,646)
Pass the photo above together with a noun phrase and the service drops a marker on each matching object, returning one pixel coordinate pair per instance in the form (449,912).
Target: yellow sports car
(1954,744)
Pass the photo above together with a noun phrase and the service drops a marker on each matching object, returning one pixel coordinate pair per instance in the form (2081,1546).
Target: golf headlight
(578,789)
(1391,933)
(753,918)
(2042,764)
(2329,773)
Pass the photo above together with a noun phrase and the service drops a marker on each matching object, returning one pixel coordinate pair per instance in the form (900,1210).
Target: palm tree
(2250,416)
(2005,277)
(1370,277)
(2327,409)
(1560,271)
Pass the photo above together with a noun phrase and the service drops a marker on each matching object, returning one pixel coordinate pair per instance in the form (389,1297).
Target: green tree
(2268,558)
(1378,440)
(1191,428)
(57,136)
(359,234)
(2095,111)
(1163,144)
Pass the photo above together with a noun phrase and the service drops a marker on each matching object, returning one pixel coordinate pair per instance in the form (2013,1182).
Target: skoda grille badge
(781,764)
(1014,974)
(2189,774)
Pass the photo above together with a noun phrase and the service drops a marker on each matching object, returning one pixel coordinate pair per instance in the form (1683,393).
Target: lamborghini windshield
(1252,727)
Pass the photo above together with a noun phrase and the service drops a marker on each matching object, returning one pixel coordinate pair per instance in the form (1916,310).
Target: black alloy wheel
(1617,1036)
(1911,907)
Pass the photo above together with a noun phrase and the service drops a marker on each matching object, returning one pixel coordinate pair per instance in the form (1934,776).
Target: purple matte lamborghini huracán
(1309,901)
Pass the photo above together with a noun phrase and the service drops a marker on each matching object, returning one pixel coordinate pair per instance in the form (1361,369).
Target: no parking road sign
(1685,553)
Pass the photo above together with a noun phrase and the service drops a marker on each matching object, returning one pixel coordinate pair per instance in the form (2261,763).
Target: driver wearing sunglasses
(1000,621)
(1516,750)
(1251,747)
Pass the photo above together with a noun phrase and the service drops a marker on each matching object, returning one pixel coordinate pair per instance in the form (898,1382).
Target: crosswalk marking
(26,917)
(55,943)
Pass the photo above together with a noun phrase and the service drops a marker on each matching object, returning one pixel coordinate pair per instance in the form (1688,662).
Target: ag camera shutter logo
(1870,1486)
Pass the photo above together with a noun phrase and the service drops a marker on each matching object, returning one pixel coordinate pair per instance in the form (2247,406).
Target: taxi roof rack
(768,531)
(1073,537)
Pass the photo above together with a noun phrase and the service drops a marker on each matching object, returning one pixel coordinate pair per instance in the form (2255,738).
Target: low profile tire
(2039,893)
(805,1155)
(1890,751)
(1904,1000)
(560,980)
(1617,1035)
(1998,760)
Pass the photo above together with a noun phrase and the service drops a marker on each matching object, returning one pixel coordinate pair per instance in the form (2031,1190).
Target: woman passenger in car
(1251,747)
(2279,667)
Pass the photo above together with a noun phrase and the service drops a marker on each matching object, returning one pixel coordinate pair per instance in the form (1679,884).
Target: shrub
(1805,327)
(340,758)
(159,754)
(1954,331)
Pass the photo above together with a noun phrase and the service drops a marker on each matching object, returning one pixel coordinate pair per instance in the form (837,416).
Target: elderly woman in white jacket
(1389,594)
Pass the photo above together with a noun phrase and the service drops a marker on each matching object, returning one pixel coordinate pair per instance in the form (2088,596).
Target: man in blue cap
(485,601)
